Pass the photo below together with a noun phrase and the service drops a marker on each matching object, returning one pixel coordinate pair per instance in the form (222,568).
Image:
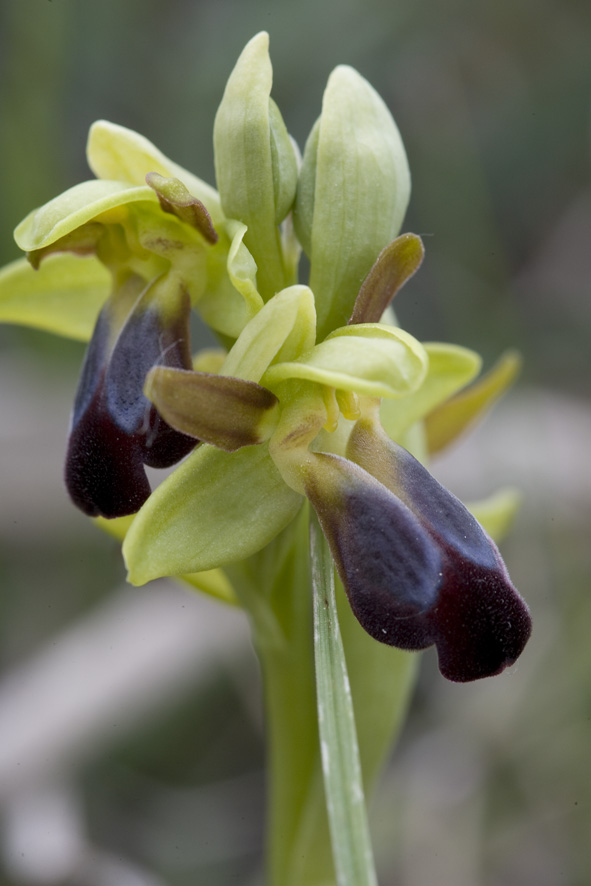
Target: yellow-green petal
(75,207)
(64,296)
(445,423)
(451,367)
(374,360)
(215,508)
(117,153)
(282,329)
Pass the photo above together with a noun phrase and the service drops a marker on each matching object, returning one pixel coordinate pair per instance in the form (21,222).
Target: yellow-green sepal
(216,508)
(445,423)
(281,330)
(64,296)
(497,512)
(256,166)
(353,190)
(451,367)
(214,582)
(76,206)
(369,359)
(117,153)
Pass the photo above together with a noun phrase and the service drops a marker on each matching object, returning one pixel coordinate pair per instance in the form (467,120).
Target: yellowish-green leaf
(215,508)
(64,296)
(378,361)
(451,367)
(445,423)
(120,154)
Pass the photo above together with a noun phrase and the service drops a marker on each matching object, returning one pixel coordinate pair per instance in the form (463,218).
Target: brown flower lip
(115,430)
(417,578)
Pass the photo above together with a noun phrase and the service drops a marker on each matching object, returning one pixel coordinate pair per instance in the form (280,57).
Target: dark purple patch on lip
(412,584)
(115,429)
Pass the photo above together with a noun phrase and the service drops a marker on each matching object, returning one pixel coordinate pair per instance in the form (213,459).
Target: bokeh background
(131,737)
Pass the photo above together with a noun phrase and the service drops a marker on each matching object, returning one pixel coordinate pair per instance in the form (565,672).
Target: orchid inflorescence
(314,394)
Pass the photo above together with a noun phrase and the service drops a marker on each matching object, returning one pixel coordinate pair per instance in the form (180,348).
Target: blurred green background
(131,741)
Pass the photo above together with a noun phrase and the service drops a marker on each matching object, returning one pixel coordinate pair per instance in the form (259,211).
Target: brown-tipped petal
(388,564)
(395,264)
(227,412)
(175,198)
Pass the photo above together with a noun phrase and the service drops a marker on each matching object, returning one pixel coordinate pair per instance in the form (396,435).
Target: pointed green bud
(256,165)
(353,191)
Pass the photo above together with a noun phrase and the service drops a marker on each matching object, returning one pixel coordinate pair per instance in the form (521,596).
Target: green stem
(274,588)
(298,841)
(349,828)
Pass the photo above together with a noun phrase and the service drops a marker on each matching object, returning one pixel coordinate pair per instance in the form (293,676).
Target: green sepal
(374,360)
(117,153)
(395,264)
(227,412)
(280,331)
(215,508)
(451,367)
(497,512)
(254,171)
(352,193)
(445,423)
(214,582)
(64,296)
(76,206)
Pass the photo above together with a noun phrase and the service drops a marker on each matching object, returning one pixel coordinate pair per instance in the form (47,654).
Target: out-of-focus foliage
(490,784)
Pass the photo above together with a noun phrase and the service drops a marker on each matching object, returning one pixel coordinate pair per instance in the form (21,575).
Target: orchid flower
(315,397)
